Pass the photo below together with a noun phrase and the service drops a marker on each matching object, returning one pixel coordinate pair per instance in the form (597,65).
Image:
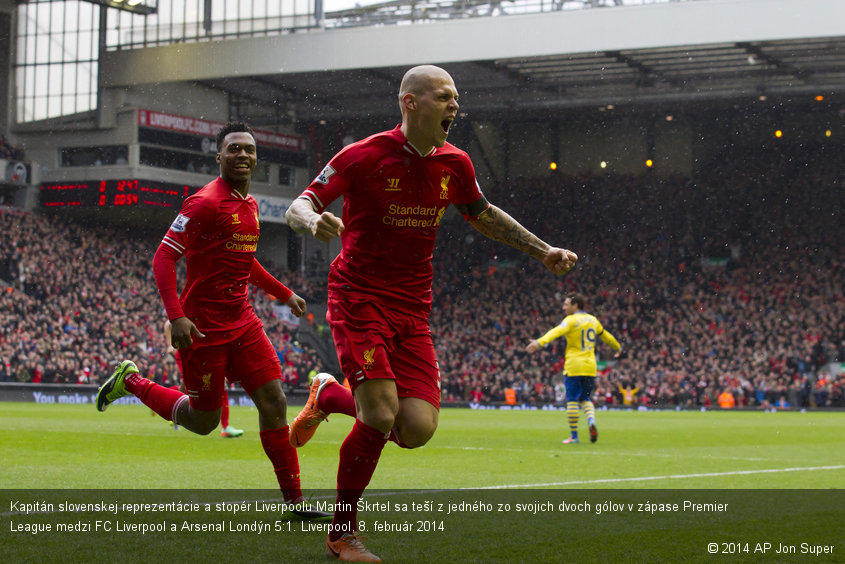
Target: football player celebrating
(396,187)
(213,326)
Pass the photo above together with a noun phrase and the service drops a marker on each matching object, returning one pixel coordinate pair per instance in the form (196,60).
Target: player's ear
(217,158)
(409,101)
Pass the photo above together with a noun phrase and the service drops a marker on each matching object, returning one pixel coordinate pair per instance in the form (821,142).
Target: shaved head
(429,104)
(419,79)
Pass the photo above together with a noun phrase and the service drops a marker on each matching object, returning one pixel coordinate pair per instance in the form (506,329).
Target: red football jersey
(394,199)
(217,231)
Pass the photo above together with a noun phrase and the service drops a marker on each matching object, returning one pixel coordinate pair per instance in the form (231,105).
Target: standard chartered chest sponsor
(418,210)
(413,216)
(243,242)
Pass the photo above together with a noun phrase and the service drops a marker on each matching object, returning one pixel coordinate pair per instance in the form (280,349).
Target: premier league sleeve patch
(178,225)
(323,177)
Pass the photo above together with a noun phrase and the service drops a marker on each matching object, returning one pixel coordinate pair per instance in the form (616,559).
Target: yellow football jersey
(580,330)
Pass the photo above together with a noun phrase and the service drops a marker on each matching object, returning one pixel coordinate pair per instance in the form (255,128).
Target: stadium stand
(80,298)
(731,295)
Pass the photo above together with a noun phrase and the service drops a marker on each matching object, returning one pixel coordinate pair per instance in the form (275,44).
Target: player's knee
(415,434)
(381,419)
(377,404)
(204,429)
(416,422)
(281,400)
(198,421)
(416,440)
(269,406)
(270,399)
(204,426)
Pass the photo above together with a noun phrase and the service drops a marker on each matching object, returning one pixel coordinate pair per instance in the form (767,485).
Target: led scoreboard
(113,193)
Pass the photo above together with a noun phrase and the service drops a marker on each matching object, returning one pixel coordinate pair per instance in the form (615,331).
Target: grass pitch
(518,494)
(71,446)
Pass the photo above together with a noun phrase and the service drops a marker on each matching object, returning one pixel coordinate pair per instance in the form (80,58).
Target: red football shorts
(178,359)
(374,341)
(244,355)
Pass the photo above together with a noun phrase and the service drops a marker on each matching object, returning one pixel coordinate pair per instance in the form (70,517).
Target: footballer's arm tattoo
(499,226)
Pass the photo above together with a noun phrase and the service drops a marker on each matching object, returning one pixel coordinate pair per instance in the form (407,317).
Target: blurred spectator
(726,399)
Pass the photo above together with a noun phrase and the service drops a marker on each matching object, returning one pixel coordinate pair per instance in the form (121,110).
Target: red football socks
(224,414)
(337,399)
(285,462)
(158,398)
(359,455)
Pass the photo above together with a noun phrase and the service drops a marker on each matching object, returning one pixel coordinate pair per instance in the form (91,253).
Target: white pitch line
(612,453)
(653,478)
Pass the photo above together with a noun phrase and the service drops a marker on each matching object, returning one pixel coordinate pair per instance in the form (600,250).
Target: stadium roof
(689,74)
(663,53)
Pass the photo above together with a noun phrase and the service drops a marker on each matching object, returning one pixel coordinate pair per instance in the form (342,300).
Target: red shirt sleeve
(164,270)
(267,282)
(335,178)
(181,235)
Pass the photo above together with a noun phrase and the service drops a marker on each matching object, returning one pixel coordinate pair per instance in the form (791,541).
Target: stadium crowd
(731,283)
(81,298)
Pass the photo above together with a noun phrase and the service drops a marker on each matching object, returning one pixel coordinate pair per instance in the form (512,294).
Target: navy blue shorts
(579,388)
